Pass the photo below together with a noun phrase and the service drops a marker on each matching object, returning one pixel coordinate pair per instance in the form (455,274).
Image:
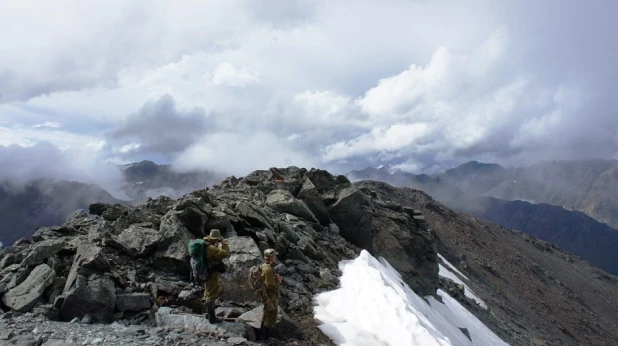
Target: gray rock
(284,202)
(91,257)
(244,253)
(92,294)
(23,297)
(197,323)
(285,328)
(352,212)
(310,195)
(133,302)
(140,240)
(172,253)
(42,250)
(236,341)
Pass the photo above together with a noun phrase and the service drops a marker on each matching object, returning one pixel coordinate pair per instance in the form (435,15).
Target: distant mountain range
(43,202)
(46,202)
(571,200)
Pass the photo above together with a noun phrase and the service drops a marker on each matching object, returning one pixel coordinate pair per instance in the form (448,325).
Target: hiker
(270,293)
(214,257)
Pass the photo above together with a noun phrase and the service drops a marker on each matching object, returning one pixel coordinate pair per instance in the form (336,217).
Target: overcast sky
(236,86)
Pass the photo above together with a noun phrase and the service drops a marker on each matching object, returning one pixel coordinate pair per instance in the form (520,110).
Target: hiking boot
(212,318)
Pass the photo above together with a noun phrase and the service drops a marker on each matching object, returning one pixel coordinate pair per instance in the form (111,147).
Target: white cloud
(228,75)
(129,148)
(52,124)
(240,154)
(393,138)
(346,84)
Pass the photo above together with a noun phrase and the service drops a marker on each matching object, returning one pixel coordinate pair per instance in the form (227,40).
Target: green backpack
(199,268)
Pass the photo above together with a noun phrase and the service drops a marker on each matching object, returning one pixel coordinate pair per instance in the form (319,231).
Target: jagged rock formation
(131,262)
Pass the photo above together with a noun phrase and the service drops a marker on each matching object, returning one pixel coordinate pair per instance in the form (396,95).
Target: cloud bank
(232,87)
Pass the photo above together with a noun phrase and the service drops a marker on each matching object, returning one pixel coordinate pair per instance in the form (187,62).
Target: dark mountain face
(147,179)
(573,231)
(586,186)
(43,203)
(537,293)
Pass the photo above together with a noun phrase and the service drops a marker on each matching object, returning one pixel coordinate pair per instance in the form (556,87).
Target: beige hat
(214,234)
(269,252)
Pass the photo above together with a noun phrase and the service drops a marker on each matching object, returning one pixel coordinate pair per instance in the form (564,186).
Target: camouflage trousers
(212,287)
(269,318)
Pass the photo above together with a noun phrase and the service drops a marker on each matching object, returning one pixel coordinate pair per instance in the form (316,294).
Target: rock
(327,276)
(91,257)
(23,297)
(108,212)
(352,212)
(172,253)
(139,239)
(133,302)
(310,195)
(27,340)
(167,286)
(236,341)
(197,323)
(246,212)
(192,211)
(285,328)
(6,334)
(284,202)
(89,293)
(244,253)
(42,250)
(87,319)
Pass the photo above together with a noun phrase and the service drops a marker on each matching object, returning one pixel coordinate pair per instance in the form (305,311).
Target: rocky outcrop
(23,297)
(123,261)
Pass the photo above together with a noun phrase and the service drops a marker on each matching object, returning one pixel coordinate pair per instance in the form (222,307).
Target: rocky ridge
(128,265)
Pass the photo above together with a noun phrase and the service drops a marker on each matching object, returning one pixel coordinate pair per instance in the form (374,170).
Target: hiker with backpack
(270,292)
(206,264)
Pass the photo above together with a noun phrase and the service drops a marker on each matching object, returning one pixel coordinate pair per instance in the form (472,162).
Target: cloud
(159,128)
(228,75)
(417,85)
(52,124)
(45,160)
(239,154)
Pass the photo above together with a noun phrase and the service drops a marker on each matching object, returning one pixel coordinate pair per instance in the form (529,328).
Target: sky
(235,86)
(374,307)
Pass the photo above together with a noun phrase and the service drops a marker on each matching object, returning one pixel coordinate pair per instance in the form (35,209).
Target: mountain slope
(536,293)
(573,231)
(43,203)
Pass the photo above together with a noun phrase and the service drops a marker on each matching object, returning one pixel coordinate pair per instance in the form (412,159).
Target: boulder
(310,195)
(196,323)
(285,328)
(139,239)
(109,212)
(93,295)
(251,215)
(244,253)
(23,297)
(42,250)
(133,302)
(283,202)
(172,253)
(192,211)
(352,212)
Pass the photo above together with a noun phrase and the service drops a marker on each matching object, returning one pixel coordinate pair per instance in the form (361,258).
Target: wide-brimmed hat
(214,234)
(269,252)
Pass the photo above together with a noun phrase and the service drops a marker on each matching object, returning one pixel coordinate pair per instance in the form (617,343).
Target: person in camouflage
(214,256)
(270,293)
